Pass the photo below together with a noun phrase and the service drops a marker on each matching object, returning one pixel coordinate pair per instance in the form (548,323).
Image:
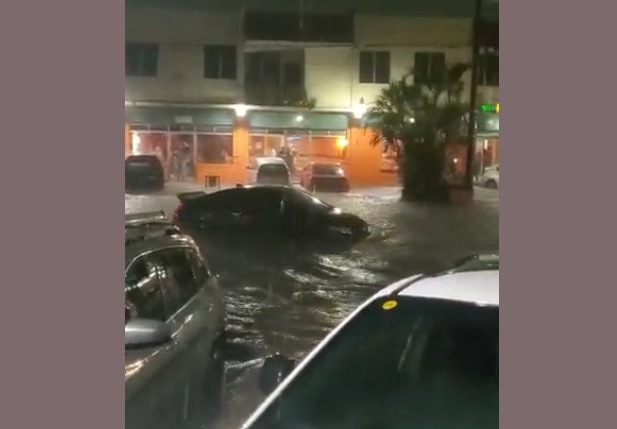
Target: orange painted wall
(127,140)
(229,173)
(364,161)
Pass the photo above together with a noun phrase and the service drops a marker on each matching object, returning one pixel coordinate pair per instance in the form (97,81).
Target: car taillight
(177,211)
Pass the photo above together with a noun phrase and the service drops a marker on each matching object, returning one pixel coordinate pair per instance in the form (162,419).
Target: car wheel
(491,184)
(215,385)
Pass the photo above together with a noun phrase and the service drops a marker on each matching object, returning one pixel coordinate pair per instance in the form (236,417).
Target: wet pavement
(282,299)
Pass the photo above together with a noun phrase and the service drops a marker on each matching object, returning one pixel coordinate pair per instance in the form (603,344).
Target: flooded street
(283,299)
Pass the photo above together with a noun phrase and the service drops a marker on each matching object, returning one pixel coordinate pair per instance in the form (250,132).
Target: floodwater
(283,300)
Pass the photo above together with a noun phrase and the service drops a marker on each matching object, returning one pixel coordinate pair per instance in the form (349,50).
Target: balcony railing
(294,27)
(271,95)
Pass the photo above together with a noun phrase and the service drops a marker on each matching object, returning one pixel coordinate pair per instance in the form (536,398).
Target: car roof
(269,160)
(474,280)
(325,163)
(134,249)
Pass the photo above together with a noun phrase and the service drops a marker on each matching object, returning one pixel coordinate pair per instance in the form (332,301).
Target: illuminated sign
(489,108)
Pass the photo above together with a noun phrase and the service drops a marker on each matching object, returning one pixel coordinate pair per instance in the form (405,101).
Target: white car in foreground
(421,353)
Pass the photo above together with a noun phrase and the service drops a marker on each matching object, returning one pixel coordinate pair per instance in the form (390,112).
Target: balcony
(276,78)
(299,28)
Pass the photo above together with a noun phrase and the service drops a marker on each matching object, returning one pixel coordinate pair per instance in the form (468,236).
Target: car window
(177,277)
(263,202)
(400,363)
(229,200)
(301,200)
(199,266)
(143,289)
(326,169)
(273,170)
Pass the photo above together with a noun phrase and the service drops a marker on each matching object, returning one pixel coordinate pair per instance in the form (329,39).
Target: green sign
(489,108)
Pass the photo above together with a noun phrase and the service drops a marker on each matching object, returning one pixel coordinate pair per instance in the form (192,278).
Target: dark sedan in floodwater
(328,177)
(143,173)
(276,211)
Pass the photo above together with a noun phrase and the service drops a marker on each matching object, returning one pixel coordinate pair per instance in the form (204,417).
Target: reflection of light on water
(132,368)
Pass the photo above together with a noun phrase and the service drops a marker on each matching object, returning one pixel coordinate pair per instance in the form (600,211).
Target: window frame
(428,77)
(143,50)
(220,54)
(374,56)
(488,72)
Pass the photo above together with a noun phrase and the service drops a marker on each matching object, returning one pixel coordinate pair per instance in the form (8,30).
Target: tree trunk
(423,179)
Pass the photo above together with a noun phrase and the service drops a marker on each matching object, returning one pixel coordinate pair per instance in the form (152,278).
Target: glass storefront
(181,149)
(298,147)
(487,142)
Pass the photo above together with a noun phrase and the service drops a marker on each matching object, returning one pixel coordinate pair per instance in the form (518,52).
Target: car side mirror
(146,333)
(274,370)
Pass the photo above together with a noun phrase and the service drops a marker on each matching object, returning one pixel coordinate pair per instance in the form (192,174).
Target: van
(268,171)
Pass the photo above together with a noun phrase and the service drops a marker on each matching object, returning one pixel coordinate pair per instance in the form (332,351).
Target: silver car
(174,330)
(490,177)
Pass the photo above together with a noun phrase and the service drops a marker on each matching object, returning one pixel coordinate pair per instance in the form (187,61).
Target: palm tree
(419,121)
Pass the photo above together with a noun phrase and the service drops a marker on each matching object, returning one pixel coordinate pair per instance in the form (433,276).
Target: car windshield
(141,162)
(326,169)
(400,363)
(307,198)
(273,170)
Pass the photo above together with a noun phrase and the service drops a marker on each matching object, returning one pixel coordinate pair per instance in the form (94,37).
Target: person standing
(177,165)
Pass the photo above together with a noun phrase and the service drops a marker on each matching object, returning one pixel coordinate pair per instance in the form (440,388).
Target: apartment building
(238,84)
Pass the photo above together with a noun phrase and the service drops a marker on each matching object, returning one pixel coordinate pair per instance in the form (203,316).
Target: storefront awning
(167,116)
(298,120)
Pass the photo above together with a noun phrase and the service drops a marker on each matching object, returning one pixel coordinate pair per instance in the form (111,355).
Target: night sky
(446,8)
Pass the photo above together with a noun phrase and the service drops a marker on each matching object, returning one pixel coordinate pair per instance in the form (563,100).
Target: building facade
(225,86)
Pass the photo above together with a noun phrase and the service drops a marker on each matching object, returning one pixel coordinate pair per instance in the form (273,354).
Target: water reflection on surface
(281,298)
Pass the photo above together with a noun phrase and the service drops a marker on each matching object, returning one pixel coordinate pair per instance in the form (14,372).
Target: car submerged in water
(268,210)
(328,177)
(421,353)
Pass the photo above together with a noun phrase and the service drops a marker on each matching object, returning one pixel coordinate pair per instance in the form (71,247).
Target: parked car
(143,172)
(421,353)
(490,177)
(268,171)
(174,330)
(267,210)
(324,177)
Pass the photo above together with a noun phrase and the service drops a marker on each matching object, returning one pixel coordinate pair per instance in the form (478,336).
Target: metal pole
(475,60)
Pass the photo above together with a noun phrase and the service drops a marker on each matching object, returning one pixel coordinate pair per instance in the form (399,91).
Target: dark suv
(143,172)
(174,331)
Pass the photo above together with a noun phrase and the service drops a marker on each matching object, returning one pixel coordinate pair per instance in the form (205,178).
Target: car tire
(491,184)
(215,383)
